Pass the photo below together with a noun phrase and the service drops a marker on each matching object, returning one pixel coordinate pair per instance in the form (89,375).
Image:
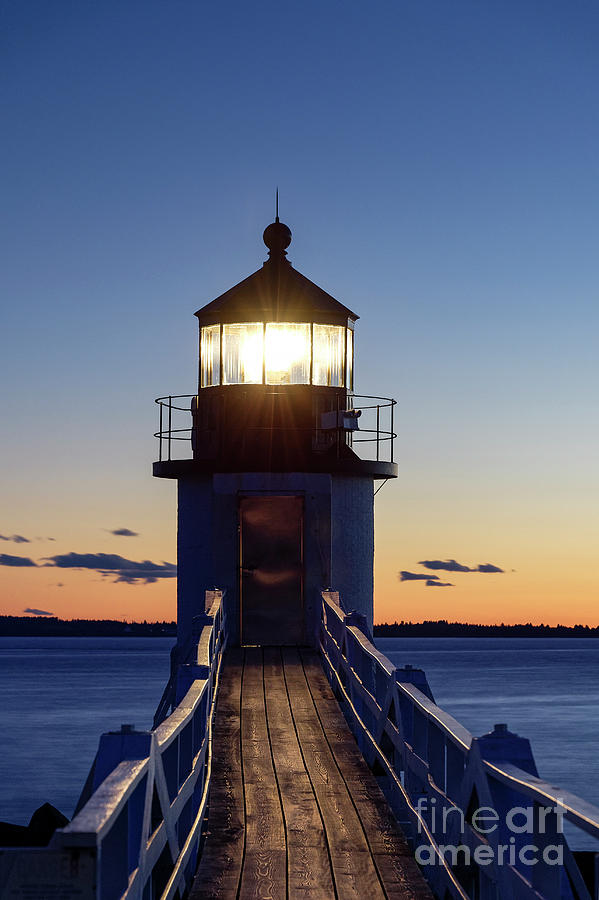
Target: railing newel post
(160,433)
(170,416)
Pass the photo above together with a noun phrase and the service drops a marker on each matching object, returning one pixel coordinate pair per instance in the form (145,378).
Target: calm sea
(60,694)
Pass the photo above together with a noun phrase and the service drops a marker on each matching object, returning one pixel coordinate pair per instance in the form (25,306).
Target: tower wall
(352,553)
(337,552)
(195,557)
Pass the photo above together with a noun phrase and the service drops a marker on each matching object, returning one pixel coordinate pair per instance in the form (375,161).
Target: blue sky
(438,165)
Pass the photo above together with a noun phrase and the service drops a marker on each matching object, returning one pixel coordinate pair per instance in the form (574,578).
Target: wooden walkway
(294,810)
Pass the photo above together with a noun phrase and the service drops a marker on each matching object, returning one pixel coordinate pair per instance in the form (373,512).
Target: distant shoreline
(50,626)
(463,629)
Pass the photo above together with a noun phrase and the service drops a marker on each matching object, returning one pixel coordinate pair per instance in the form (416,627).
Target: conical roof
(276,293)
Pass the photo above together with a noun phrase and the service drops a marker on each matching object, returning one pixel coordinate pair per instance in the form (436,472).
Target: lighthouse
(275,459)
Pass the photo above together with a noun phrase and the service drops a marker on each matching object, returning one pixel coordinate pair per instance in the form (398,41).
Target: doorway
(271,569)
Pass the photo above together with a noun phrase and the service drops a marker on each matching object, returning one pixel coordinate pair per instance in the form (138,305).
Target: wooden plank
(332,719)
(309,868)
(399,873)
(354,872)
(220,865)
(264,871)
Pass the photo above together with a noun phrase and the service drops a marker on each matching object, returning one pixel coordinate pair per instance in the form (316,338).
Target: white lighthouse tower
(275,504)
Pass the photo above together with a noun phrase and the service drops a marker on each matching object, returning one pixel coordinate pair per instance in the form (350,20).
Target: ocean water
(59,695)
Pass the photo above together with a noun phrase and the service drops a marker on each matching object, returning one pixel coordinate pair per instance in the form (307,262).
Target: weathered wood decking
(294,810)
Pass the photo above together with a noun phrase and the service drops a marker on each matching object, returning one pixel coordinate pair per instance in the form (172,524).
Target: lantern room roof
(276,293)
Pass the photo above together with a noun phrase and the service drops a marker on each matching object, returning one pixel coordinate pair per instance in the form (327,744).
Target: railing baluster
(170,417)
(378,441)
(160,434)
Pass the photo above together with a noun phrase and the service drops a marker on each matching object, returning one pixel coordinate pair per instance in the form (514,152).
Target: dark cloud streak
(451,565)
(125,532)
(111,564)
(16,561)
(15,538)
(37,612)
(447,565)
(415,576)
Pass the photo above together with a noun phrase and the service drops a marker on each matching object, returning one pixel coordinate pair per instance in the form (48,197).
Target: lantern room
(276,355)
(276,328)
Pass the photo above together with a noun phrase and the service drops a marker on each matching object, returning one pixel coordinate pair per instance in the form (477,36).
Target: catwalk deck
(294,810)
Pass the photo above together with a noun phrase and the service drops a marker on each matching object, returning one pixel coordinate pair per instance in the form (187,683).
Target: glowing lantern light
(277,353)
(287,353)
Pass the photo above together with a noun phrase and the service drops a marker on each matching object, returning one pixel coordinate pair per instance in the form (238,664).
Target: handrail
(375,432)
(439,778)
(138,833)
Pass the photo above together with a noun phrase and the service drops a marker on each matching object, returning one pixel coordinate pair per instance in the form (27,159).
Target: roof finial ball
(277,238)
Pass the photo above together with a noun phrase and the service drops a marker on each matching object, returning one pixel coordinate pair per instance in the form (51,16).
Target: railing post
(160,433)
(170,417)
(392,436)
(378,439)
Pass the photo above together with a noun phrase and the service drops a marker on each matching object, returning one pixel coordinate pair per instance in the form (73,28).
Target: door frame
(242,495)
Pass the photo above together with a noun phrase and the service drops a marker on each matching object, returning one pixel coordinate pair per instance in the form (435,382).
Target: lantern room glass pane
(243,353)
(210,355)
(287,353)
(328,362)
(349,369)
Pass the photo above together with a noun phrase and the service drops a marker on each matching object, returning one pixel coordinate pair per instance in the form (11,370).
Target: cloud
(37,612)
(432,583)
(15,538)
(448,565)
(451,565)
(110,564)
(413,576)
(7,560)
(125,532)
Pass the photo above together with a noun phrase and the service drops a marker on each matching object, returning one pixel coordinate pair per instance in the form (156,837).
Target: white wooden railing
(137,836)
(442,782)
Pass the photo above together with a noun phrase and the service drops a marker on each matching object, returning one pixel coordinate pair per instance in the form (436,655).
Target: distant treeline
(50,626)
(442,628)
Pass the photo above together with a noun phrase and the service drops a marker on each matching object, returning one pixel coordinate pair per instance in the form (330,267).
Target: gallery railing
(480,820)
(357,419)
(136,837)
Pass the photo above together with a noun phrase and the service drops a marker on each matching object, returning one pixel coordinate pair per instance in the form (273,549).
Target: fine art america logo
(494,828)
